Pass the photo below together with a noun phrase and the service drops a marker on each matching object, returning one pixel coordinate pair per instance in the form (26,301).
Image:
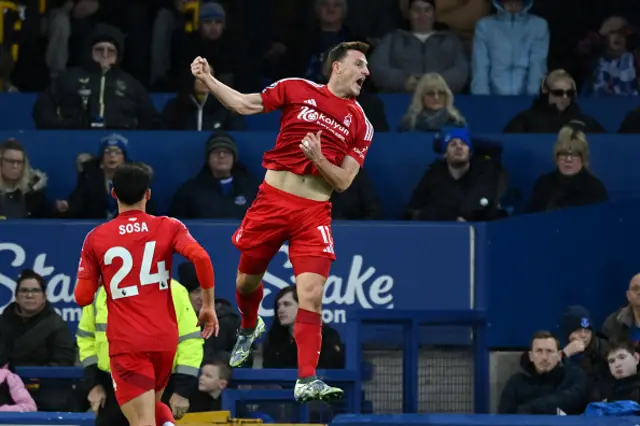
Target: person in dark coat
(33,334)
(22,188)
(459,187)
(554,108)
(215,377)
(224,188)
(194,108)
(544,385)
(98,94)
(585,347)
(623,382)
(92,198)
(572,184)
(280,349)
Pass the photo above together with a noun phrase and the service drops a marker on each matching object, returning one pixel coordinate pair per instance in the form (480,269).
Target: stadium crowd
(95,62)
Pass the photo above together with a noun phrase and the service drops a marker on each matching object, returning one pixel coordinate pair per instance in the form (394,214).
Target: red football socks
(164,415)
(249,303)
(307,332)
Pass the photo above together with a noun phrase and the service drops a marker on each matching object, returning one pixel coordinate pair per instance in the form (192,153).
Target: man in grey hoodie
(404,56)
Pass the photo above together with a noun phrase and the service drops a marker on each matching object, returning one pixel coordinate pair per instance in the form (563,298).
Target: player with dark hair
(131,256)
(293,202)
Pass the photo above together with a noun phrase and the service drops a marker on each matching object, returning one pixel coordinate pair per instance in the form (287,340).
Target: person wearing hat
(212,42)
(458,186)
(98,94)
(223,189)
(91,198)
(585,346)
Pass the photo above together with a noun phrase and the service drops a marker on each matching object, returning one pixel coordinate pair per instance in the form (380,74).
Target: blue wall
(395,163)
(483,113)
(525,269)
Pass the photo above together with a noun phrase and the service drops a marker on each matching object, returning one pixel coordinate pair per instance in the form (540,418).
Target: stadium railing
(411,322)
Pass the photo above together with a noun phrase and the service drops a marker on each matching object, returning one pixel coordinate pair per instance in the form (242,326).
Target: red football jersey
(133,254)
(309,107)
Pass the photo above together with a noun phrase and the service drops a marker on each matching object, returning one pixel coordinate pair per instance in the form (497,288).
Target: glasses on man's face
(561,93)
(28,291)
(12,162)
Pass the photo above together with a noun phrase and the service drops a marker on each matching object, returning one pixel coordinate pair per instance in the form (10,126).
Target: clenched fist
(200,68)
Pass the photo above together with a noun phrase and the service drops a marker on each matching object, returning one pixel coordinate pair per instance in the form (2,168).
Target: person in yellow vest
(94,356)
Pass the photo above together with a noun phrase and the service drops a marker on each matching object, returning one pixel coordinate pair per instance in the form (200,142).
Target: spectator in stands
(94,356)
(222,189)
(509,51)
(33,334)
(432,107)
(623,383)
(585,347)
(544,385)
(612,67)
(228,318)
(571,184)
(554,107)
(308,53)
(91,198)
(358,202)
(70,25)
(458,187)
(194,108)
(212,41)
(14,397)
(98,94)
(215,376)
(403,57)
(624,324)
(460,16)
(280,349)
(22,188)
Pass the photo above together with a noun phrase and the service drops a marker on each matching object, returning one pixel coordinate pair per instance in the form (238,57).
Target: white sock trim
(168,424)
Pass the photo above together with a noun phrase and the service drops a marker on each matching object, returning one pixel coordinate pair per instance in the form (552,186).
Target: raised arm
(240,103)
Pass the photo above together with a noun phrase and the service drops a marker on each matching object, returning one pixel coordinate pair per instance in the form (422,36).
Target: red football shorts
(138,372)
(277,216)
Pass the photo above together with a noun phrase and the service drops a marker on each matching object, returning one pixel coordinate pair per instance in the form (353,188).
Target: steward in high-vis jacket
(94,356)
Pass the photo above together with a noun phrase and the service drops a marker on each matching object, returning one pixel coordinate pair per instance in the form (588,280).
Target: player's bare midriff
(305,186)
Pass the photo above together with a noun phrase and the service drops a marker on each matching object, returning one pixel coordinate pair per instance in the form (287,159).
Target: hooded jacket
(509,52)
(87,94)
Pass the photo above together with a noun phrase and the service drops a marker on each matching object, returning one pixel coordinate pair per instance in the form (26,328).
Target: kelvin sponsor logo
(59,286)
(362,288)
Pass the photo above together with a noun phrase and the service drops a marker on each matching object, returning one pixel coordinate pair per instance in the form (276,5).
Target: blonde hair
(430,81)
(555,76)
(572,140)
(27,173)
